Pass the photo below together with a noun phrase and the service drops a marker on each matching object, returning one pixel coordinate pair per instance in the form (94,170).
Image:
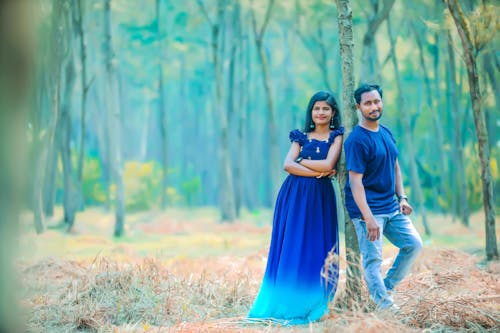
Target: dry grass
(446,292)
(205,276)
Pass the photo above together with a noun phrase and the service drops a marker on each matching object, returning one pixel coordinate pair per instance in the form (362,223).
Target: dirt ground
(180,272)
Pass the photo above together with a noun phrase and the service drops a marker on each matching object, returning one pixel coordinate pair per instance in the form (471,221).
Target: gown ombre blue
(305,229)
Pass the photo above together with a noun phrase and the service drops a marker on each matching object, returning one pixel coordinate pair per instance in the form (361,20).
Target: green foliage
(94,192)
(142,185)
(190,188)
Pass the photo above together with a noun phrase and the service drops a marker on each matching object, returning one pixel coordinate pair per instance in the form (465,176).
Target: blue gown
(305,229)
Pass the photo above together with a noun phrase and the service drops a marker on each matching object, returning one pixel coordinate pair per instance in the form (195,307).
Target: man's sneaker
(394,308)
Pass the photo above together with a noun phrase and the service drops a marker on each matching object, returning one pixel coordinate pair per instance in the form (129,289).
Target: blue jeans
(400,231)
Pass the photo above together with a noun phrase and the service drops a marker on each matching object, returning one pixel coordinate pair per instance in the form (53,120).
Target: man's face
(370,105)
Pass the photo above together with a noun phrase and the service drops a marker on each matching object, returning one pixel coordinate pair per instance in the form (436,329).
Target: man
(375,198)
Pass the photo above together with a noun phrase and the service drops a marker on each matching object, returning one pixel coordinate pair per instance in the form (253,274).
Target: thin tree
(474,38)
(273,152)
(436,117)
(377,13)
(114,122)
(353,285)
(65,129)
(459,180)
(162,109)
(78,15)
(226,192)
(406,122)
(315,44)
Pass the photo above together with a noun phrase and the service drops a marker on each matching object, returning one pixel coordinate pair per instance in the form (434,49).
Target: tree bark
(78,15)
(470,58)
(114,123)
(353,284)
(69,197)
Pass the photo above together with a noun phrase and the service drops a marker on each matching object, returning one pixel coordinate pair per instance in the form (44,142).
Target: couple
(305,227)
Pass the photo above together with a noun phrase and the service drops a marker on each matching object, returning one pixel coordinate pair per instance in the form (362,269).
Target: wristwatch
(298,159)
(402,196)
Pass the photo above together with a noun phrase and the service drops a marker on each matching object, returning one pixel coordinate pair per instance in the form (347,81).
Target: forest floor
(182,271)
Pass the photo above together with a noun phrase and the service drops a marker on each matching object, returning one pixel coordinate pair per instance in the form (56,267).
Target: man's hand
(373,229)
(404,207)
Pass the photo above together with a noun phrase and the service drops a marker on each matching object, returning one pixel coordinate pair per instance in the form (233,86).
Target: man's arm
(404,207)
(358,192)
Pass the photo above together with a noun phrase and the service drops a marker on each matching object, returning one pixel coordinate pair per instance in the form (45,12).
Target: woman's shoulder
(336,132)
(297,135)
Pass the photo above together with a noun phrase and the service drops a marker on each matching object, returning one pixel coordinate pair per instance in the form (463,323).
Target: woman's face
(321,113)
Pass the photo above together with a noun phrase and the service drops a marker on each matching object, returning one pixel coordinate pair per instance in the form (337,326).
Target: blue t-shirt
(374,155)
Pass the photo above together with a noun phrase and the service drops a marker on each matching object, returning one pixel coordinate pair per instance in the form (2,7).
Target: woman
(305,222)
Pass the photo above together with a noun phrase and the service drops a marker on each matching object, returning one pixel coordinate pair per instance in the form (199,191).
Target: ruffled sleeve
(335,133)
(298,136)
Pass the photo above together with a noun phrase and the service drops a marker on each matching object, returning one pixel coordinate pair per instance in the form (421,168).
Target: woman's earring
(332,126)
(312,125)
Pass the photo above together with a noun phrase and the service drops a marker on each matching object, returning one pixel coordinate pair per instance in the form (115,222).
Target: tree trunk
(16,59)
(162,112)
(459,178)
(65,148)
(226,189)
(226,179)
(273,152)
(43,148)
(490,121)
(85,88)
(405,118)
(470,54)
(436,117)
(353,285)
(236,43)
(114,124)
(369,58)
(50,179)
(320,58)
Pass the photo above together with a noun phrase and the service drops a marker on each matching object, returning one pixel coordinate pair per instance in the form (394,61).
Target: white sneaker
(394,308)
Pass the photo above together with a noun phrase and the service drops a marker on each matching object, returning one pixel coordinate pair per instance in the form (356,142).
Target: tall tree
(78,15)
(353,287)
(113,115)
(459,184)
(162,110)
(376,13)
(406,122)
(436,117)
(226,192)
(16,65)
(474,38)
(315,44)
(65,128)
(46,138)
(273,151)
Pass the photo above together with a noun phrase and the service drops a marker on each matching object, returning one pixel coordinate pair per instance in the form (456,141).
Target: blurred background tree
(16,65)
(144,105)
